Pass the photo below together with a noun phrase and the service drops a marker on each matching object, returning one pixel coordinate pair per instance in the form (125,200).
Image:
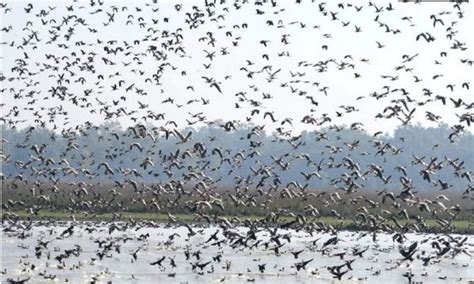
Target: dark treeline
(246,156)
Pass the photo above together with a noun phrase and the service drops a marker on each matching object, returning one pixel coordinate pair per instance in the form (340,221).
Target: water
(381,263)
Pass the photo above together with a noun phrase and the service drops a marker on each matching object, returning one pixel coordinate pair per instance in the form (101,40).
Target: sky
(304,28)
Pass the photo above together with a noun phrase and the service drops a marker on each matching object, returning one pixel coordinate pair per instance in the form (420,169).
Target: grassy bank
(62,201)
(457,226)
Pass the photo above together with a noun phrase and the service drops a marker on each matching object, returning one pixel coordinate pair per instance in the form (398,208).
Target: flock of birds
(76,60)
(176,249)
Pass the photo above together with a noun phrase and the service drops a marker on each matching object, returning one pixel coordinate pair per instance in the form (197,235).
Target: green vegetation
(363,210)
(458,226)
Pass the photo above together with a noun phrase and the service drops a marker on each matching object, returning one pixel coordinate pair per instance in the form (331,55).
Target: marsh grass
(65,201)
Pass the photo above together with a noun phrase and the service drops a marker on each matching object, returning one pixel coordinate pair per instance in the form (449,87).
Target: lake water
(381,263)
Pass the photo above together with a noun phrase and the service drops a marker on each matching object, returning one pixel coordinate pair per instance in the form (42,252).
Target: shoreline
(465,227)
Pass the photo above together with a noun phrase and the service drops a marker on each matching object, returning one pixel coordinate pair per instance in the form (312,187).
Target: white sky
(304,45)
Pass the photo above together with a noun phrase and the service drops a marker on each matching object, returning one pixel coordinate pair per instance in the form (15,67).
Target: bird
(302,264)
(183,139)
(336,271)
(426,36)
(159,261)
(193,132)
(296,253)
(409,252)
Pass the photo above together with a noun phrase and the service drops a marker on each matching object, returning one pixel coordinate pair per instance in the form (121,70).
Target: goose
(336,271)
(408,253)
(159,261)
(302,264)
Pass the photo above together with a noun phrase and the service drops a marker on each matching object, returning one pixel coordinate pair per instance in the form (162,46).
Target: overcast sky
(305,29)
